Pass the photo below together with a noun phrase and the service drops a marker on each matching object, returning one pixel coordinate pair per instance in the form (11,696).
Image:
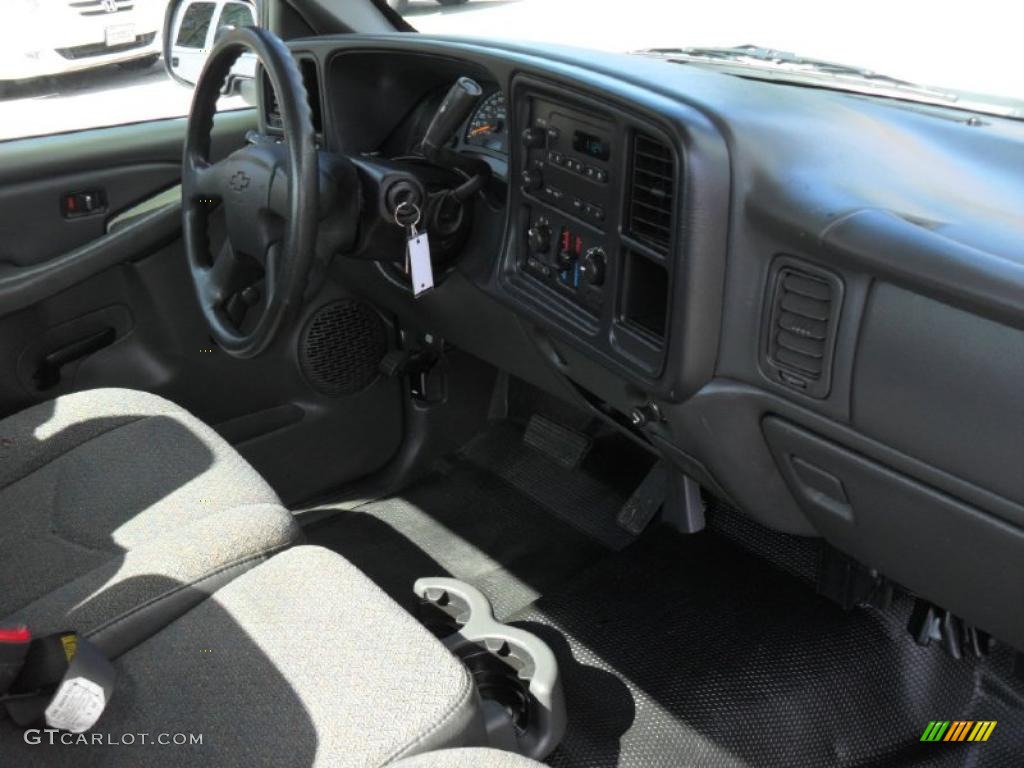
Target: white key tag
(421,271)
(417,250)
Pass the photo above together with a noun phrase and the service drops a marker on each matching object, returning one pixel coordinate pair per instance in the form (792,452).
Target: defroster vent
(652,193)
(802,329)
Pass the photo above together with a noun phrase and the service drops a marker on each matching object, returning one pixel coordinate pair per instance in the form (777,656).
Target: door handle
(48,373)
(77,204)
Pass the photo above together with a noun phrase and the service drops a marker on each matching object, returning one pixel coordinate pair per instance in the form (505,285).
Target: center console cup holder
(515,672)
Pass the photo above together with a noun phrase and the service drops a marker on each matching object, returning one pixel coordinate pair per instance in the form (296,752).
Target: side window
(195,23)
(69,66)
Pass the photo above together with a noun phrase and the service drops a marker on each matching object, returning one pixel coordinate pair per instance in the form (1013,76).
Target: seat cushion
(300,661)
(90,478)
(468,758)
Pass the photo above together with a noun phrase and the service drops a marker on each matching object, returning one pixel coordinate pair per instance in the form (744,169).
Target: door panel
(85,309)
(45,218)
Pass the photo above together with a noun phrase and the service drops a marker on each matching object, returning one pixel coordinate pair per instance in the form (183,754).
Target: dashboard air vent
(802,330)
(652,193)
(273,108)
(311,80)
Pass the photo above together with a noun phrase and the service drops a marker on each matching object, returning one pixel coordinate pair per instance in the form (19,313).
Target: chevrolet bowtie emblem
(239,181)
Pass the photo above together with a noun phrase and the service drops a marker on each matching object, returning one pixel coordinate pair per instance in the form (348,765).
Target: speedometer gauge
(488,127)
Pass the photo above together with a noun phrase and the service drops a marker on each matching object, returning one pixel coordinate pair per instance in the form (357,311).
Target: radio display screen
(591,145)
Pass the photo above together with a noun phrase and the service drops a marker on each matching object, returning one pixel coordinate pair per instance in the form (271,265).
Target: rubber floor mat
(689,651)
(463,522)
(582,499)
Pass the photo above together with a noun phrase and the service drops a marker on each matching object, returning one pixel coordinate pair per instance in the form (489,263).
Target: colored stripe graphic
(958,730)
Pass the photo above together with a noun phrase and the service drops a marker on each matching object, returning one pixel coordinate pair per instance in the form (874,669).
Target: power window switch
(83,203)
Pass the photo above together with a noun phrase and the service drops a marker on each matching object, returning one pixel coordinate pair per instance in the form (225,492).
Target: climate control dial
(539,237)
(594,267)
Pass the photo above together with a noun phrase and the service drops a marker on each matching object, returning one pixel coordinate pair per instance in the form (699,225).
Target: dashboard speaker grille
(341,348)
(652,193)
(805,307)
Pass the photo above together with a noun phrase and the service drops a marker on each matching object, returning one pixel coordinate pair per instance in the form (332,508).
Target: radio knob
(594,267)
(534,138)
(533,179)
(539,236)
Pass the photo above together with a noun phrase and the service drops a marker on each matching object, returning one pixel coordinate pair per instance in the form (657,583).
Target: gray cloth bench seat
(301,661)
(128,520)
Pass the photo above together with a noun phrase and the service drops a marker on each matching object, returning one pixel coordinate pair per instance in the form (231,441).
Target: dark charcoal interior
(717,389)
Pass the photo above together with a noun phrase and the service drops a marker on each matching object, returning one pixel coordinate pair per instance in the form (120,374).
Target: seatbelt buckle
(61,680)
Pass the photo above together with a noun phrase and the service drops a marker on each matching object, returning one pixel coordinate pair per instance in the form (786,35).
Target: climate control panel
(569,258)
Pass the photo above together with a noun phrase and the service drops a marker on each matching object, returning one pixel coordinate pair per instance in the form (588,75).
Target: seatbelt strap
(61,681)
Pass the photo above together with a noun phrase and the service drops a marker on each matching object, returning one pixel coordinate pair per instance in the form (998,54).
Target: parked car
(198,25)
(51,37)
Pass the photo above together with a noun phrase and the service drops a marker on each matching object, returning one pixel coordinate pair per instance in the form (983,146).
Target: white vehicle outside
(51,37)
(198,26)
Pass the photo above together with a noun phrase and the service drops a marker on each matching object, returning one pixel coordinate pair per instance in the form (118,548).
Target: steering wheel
(269,194)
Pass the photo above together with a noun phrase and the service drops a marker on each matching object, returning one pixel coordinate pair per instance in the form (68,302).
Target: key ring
(398,217)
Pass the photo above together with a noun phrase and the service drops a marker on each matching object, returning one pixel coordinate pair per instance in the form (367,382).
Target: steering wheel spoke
(277,200)
(206,184)
(231,273)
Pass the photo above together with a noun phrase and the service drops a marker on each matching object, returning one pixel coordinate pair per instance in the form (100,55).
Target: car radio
(568,160)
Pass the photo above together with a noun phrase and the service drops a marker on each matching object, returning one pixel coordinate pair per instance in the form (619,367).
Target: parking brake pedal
(640,508)
(565,446)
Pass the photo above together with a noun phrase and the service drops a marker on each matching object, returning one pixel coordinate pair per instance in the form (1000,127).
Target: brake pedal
(562,444)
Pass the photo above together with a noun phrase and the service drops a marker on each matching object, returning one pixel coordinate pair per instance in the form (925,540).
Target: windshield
(975,48)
